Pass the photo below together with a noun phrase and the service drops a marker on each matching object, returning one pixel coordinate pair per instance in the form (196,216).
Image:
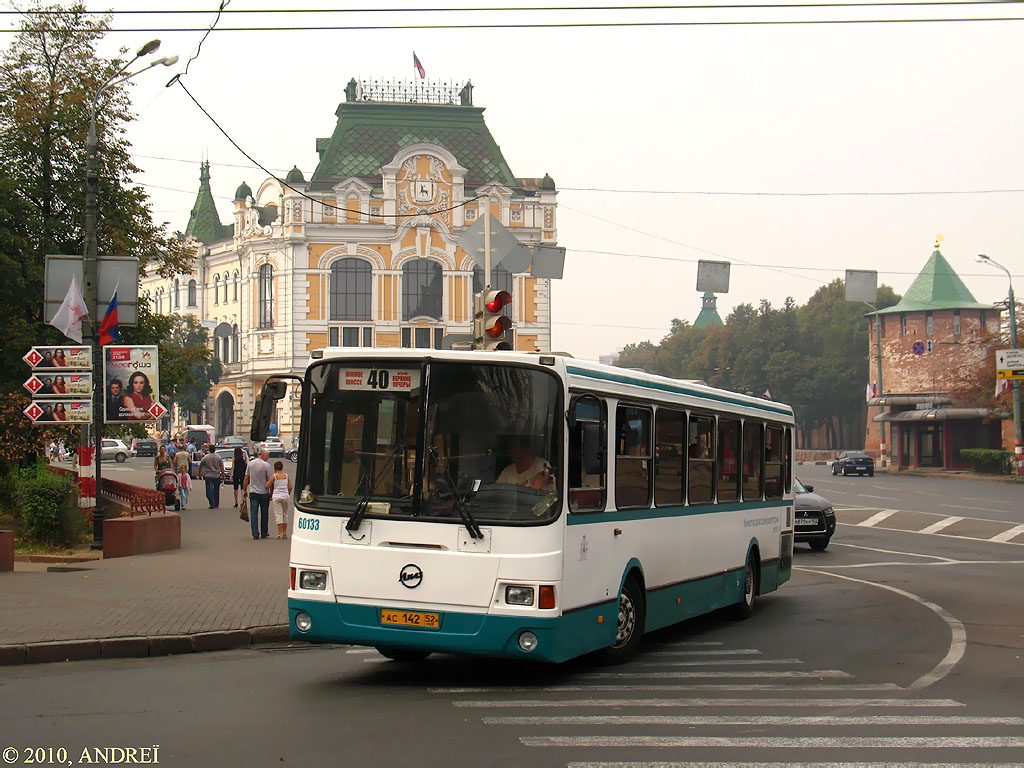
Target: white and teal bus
(524,505)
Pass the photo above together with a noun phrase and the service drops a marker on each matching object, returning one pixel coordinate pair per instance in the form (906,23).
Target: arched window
(350,289)
(192,293)
(422,289)
(236,286)
(501,279)
(177,295)
(216,289)
(226,278)
(266,296)
(234,340)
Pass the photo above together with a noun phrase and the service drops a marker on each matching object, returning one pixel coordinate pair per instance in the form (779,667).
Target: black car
(145,447)
(815,519)
(853,463)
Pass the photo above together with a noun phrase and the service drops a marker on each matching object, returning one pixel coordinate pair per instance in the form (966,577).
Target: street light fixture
(1015,384)
(89,263)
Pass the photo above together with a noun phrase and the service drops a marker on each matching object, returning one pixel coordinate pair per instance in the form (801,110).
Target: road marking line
(1007,535)
(674,688)
(689,703)
(878,517)
(976,509)
(781,742)
(742,673)
(361,650)
(717,652)
(854,509)
(811,720)
(944,523)
(957,632)
(872,496)
(951,562)
(945,535)
(717,663)
(990,501)
(891,551)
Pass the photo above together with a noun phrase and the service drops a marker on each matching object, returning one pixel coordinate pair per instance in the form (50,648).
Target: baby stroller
(167,482)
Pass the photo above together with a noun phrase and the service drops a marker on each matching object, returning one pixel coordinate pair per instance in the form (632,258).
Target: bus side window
(632,457)
(753,466)
(774,463)
(701,460)
(588,470)
(728,460)
(788,460)
(669,457)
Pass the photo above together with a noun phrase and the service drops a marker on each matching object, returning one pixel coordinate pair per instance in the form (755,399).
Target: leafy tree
(188,367)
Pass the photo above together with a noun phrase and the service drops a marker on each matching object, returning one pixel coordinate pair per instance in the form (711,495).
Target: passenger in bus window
(526,469)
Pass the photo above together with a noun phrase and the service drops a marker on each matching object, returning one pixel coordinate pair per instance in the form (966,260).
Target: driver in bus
(526,469)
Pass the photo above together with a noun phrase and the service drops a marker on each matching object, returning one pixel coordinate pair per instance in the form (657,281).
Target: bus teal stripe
(673,388)
(647,514)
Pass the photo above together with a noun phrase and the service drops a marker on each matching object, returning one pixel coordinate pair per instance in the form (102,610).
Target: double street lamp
(1018,441)
(89,265)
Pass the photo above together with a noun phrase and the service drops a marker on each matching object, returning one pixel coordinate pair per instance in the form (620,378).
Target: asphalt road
(889,647)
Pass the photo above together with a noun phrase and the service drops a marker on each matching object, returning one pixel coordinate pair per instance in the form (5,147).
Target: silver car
(116,449)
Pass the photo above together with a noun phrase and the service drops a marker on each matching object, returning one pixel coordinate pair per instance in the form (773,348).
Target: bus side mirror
(266,401)
(593,455)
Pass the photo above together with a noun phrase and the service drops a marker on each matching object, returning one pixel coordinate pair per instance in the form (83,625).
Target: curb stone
(139,647)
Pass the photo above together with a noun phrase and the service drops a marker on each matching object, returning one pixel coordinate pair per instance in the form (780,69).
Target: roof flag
(68,319)
(872,391)
(1002,386)
(110,331)
(767,393)
(418,66)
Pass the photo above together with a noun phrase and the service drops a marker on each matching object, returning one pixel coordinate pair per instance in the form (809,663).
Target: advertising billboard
(60,411)
(131,384)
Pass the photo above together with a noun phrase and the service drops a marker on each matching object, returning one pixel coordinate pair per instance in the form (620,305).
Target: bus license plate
(411,618)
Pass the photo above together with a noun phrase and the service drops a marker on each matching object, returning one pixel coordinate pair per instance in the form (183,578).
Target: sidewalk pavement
(221,589)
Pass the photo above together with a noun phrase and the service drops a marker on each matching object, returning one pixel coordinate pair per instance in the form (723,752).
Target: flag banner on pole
(767,394)
(1002,386)
(419,67)
(110,330)
(68,319)
(872,391)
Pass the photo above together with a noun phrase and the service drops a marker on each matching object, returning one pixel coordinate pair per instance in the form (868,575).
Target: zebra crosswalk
(771,714)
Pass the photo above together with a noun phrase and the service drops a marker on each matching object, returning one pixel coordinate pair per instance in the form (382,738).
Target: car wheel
(745,606)
(844,471)
(402,654)
(819,545)
(871,473)
(120,458)
(834,470)
(629,627)
(293,456)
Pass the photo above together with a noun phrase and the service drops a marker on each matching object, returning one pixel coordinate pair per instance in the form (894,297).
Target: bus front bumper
(469,633)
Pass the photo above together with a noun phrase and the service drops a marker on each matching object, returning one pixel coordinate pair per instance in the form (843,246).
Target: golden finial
(938,239)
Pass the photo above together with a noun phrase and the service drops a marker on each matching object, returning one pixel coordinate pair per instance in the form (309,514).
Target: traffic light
(489,322)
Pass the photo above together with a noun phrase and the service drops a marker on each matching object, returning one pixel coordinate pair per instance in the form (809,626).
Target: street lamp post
(1015,384)
(90,264)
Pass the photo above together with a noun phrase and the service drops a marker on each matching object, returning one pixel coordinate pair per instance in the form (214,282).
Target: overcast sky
(864,108)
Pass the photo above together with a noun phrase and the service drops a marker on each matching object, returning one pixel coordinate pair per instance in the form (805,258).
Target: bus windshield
(433,442)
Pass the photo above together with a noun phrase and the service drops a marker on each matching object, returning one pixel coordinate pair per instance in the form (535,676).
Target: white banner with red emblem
(60,411)
(52,384)
(131,384)
(55,358)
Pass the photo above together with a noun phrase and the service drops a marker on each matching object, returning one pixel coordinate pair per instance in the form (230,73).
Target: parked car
(115,449)
(235,441)
(227,453)
(145,446)
(853,462)
(273,446)
(815,520)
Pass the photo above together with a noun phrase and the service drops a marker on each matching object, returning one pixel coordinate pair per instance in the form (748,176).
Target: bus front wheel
(402,654)
(629,628)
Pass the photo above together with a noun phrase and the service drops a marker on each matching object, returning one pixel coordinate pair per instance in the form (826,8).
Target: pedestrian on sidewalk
(238,465)
(211,469)
(280,486)
(257,477)
(184,486)
(161,462)
(182,462)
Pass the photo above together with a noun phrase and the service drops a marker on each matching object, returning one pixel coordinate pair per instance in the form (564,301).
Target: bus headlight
(303,622)
(312,580)
(519,595)
(527,641)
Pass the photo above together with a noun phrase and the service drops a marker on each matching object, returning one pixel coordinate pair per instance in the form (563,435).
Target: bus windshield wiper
(460,506)
(364,503)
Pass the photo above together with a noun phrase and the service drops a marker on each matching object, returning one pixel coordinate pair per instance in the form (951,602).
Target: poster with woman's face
(131,384)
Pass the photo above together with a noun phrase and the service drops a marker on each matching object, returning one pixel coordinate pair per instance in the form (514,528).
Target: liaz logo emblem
(411,576)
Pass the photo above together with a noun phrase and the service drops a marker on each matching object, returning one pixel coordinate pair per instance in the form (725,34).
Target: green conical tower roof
(204,223)
(708,313)
(936,287)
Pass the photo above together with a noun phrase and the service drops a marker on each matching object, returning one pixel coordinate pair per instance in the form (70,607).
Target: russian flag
(110,331)
(418,66)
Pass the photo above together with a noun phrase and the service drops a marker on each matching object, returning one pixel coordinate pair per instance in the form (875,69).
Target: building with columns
(364,252)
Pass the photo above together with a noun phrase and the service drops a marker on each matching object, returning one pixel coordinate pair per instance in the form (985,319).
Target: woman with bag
(238,464)
(280,486)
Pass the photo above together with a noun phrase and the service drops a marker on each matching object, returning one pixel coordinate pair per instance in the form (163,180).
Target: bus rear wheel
(402,654)
(629,627)
(745,606)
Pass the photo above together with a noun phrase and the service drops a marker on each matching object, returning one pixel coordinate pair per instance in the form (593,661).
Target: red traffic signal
(490,325)
(495,301)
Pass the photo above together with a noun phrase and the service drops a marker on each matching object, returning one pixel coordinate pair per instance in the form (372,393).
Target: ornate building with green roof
(930,340)
(708,312)
(365,252)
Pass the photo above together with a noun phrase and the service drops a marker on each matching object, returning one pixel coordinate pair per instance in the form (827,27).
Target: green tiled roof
(204,224)
(708,314)
(370,134)
(936,287)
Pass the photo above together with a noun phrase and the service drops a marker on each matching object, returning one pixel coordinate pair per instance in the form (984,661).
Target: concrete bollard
(6,551)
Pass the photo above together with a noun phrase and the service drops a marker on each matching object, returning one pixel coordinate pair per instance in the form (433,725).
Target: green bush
(989,461)
(45,506)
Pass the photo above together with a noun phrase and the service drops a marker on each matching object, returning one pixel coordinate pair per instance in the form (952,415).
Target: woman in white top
(280,486)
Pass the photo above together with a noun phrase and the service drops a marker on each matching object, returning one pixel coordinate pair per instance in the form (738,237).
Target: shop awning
(934,399)
(941,414)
